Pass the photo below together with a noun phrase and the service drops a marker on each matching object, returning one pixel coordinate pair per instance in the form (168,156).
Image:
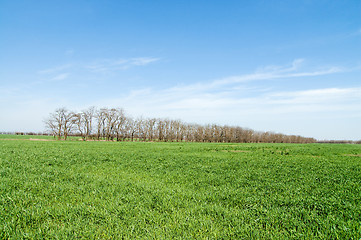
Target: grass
(23,137)
(32,137)
(136,190)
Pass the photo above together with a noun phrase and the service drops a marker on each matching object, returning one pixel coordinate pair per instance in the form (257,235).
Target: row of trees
(113,124)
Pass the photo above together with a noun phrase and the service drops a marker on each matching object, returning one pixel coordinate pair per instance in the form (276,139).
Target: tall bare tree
(61,122)
(80,124)
(52,127)
(100,117)
(88,116)
(120,120)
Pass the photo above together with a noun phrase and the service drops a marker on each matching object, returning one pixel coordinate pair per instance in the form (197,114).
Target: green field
(137,190)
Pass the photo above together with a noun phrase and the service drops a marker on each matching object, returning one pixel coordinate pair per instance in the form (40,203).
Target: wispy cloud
(326,99)
(277,72)
(103,67)
(295,65)
(171,101)
(60,77)
(142,61)
(266,73)
(110,65)
(54,74)
(100,65)
(55,69)
(69,52)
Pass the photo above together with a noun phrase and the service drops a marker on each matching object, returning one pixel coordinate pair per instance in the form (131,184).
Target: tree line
(112,124)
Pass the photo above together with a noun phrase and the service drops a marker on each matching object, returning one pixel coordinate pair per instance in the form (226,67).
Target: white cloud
(142,61)
(100,65)
(296,64)
(262,74)
(110,65)
(60,77)
(317,100)
(316,95)
(277,72)
(225,88)
(69,52)
(55,69)
(171,100)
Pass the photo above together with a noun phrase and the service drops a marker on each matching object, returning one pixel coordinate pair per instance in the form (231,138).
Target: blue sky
(285,66)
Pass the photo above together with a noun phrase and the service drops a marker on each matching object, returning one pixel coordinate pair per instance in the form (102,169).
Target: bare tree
(80,124)
(100,116)
(150,125)
(131,128)
(51,127)
(140,125)
(88,116)
(120,119)
(110,123)
(61,122)
(160,129)
(83,122)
